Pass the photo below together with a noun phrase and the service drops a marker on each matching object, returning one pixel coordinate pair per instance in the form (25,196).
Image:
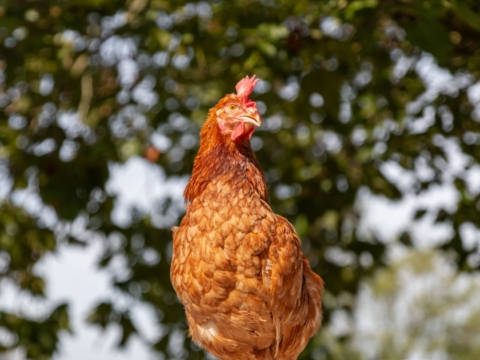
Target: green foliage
(443,296)
(39,338)
(320,145)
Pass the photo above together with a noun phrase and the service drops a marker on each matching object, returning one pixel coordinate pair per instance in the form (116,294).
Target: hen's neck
(219,155)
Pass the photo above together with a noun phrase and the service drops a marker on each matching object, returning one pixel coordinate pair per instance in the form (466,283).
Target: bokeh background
(369,144)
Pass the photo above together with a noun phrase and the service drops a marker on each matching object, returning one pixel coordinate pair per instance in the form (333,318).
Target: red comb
(245,87)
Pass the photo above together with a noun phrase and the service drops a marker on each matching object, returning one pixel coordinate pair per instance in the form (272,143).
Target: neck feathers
(219,155)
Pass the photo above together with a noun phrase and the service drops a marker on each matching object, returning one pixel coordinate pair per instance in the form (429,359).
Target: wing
(216,271)
(296,291)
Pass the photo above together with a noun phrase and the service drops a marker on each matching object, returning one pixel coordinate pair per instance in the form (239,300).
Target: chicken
(238,268)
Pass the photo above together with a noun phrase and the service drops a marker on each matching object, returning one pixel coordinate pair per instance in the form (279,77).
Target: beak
(243,130)
(252,119)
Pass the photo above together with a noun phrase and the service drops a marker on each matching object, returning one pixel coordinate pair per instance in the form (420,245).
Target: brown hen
(247,288)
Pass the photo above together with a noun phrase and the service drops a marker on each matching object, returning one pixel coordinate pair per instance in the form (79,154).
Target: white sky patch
(387,219)
(472,179)
(340,323)
(128,72)
(470,235)
(161,142)
(290,91)
(403,179)
(6,181)
(473,93)
(394,312)
(384,218)
(426,233)
(422,124)
(142,185)
(402,64)
(143,93)
(47,83)
(30,200)
(437,80)
(423,171)
(68,121)
(72,276)
(12,299)
(116,48)
(437,197)
(457,160)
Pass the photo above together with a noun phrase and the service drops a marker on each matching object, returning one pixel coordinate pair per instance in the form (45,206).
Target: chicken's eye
(232,107)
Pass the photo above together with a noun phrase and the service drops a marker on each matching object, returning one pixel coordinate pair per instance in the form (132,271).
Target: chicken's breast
(238,269)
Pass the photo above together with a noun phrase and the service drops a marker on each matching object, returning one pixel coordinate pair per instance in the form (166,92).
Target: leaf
(358,5)
(101,315)
(431,37)
(128,329)
(466,14)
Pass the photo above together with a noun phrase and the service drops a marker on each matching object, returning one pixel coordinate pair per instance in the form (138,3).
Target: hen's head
(236,114)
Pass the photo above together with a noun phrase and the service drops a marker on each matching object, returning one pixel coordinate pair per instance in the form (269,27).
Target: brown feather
(237,267)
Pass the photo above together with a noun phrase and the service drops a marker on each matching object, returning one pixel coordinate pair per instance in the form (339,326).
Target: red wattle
(238,131)
(250,132)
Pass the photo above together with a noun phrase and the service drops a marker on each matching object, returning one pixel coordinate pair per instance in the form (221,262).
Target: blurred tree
(350,89)
(440,299)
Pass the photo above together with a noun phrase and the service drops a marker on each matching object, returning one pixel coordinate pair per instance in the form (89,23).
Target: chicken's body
(248,290)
